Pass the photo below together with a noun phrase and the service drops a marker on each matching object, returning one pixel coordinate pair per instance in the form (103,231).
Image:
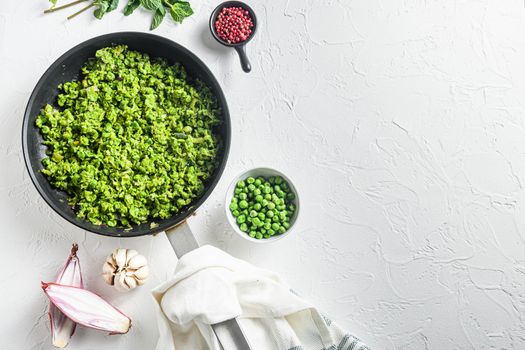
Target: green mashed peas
(132,140)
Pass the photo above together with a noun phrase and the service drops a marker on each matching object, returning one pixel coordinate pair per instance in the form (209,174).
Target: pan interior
(67,68)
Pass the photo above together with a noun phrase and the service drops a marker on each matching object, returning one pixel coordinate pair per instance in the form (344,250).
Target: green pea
(241,184)
(243,204)
(234,199)
(281,207)
(258,235)
(262,230)
(235,213)
(277,188)
(271,205)
(286,225)
(238,190)
(258,182)
(252,234)
(271,232)
(241,219)
(257,206)
(275,226)
(267,225)
(243,196)
(261,216)
(259,198)
(233,206)
(271,180)
(268,197)
(256,221)
(282,230)
(264,202)
(291,207)
(266,236)
(281,194)
(269,214)
(278,180)
(267,189)
(290,196)
(275,218)
(253,213)
(251,187)
(243,227)
(250,180)
(257,192)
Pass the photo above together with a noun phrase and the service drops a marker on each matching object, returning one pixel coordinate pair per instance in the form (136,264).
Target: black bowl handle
(245,62)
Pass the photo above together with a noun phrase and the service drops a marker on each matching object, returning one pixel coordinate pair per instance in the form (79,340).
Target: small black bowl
(239,47)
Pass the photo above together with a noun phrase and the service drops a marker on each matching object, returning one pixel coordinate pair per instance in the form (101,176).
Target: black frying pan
(67,68)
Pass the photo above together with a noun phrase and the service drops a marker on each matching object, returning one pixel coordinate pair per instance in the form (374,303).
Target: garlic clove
(142,273)
(130,253)
(119,256)
(120,282)
(137,262)
(130,282)
(108,272)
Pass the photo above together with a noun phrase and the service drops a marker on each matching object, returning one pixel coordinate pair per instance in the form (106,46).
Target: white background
(402,123)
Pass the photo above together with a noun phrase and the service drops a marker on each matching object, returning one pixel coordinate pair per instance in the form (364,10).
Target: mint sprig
(179,10)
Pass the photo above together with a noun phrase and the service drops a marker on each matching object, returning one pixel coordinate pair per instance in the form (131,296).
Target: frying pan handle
(229,332)
(182,239)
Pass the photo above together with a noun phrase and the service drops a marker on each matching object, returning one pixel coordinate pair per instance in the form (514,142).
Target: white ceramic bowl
(265,172)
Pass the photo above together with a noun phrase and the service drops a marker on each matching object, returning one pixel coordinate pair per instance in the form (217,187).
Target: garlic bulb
(125,269)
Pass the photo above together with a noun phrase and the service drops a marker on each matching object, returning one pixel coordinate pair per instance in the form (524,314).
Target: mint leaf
(102,8)
(131,6)
(158,17)
(53,2)
(112,5)
(180,10)
(151,5)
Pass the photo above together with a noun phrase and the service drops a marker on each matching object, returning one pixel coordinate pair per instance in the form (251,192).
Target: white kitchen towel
(211,286)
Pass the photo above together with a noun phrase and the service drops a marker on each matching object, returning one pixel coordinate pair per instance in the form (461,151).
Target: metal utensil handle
(230,335)
(229,332)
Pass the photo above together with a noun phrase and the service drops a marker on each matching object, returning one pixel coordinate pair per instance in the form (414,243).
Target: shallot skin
(63,328)
(87,308)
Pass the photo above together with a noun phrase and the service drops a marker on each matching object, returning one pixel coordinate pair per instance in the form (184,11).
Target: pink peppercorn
(234,25)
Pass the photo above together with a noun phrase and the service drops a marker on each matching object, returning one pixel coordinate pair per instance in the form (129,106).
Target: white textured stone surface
(402,123)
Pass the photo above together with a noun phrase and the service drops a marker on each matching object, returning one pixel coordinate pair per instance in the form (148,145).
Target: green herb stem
(53,9)
(82,10)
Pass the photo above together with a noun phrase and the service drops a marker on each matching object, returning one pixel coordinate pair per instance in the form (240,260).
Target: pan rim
(174,220)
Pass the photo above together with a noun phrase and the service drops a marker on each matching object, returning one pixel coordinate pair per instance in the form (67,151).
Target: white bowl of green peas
(262,205)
